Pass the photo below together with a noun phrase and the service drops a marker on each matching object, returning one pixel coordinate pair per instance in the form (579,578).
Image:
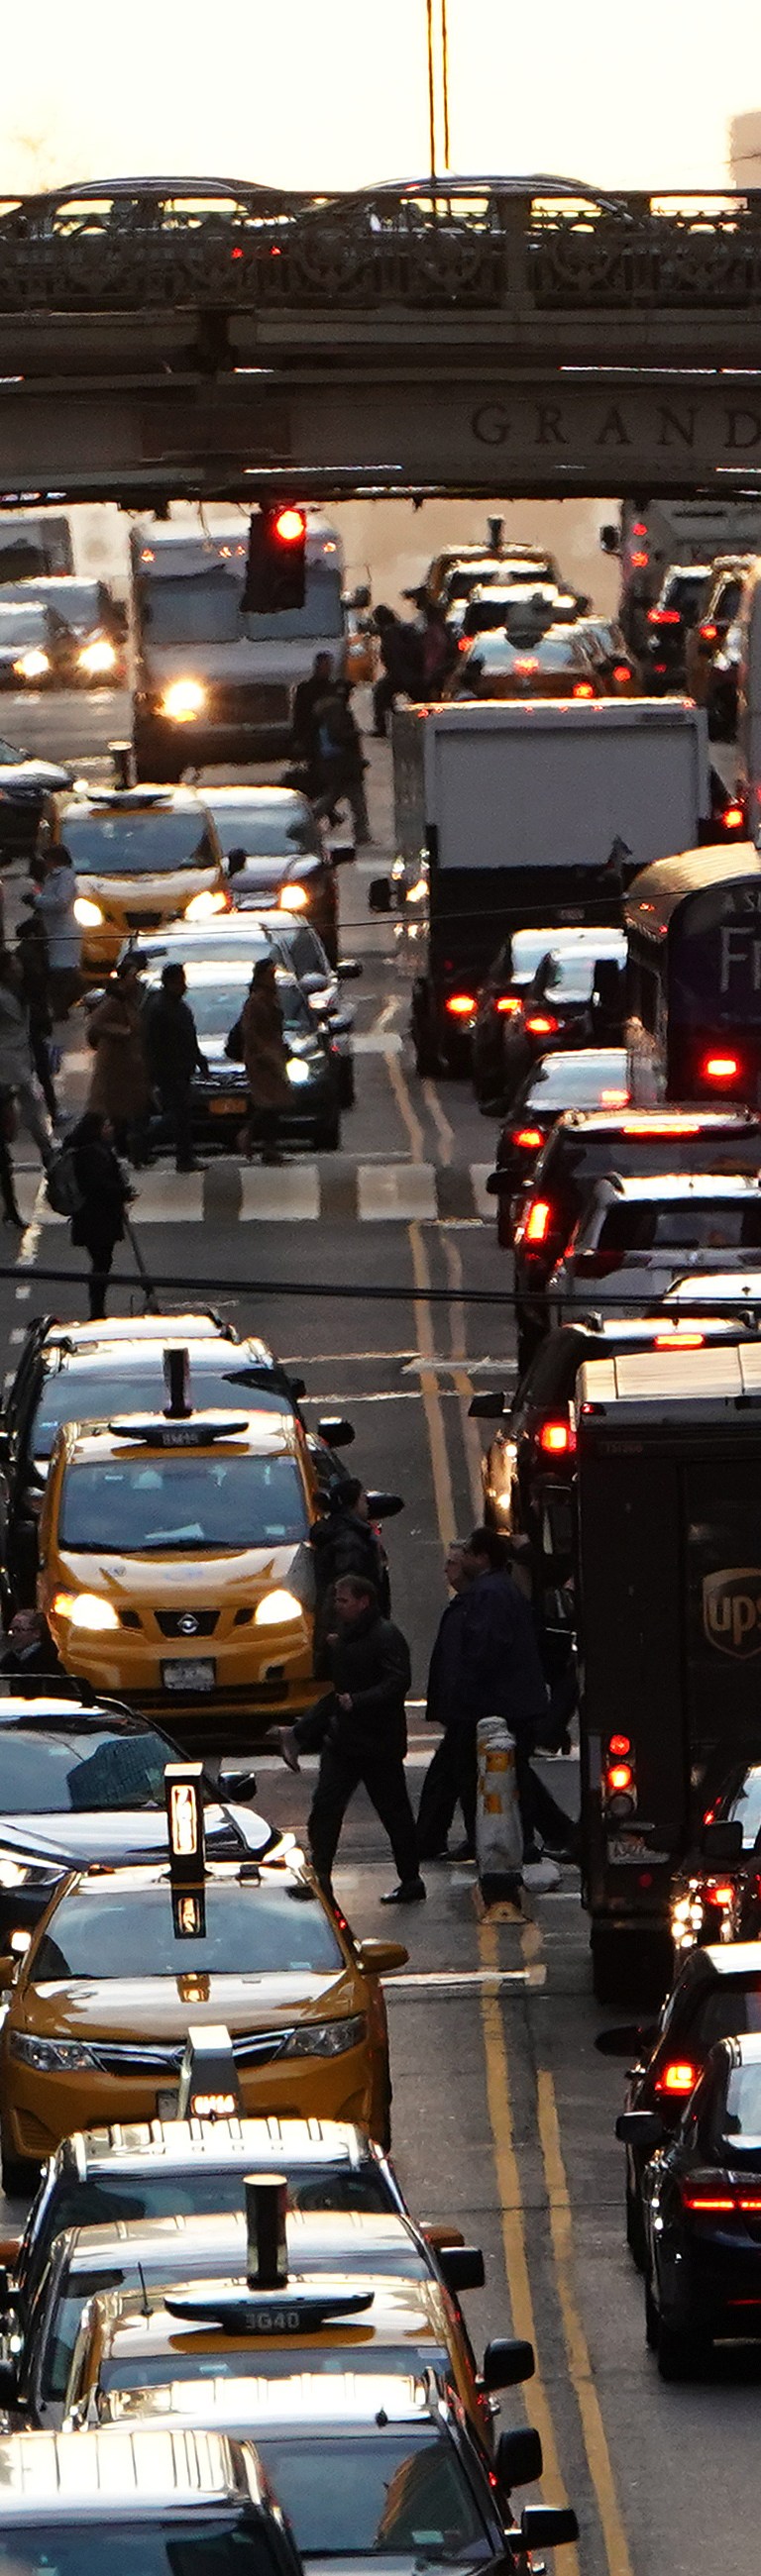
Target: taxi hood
(170,1578)
(126,1835)
(116,2008)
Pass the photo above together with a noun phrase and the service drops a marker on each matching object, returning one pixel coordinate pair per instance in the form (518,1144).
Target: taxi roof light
(179,1402)
(209,2087)
(183,1788)
(266,2235)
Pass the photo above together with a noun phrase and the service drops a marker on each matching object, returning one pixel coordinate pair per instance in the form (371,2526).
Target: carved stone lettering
(743,428)
(613,430)
(490,424)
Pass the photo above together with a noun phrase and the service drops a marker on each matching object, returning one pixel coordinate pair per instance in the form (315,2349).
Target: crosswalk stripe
(335,1190)
(401,1190)
(277,1196)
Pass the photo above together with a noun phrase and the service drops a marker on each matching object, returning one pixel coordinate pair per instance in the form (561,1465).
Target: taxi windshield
(388,2494)
(65,1774)
(252,1930)
(200,2546)
(163,1501)
(130,844)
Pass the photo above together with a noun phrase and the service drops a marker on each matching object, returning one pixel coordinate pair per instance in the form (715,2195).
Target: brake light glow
(733,818)
(525,662)
(720,1068)
(508,1004)
(678,1341)
(542,1025)
(557,1439)
(614,1099)
(621,672)
(663,617)
(708,632)
(679,2076)
(639,528)
(537,1222)
(583,689)
(721,1895)
(460,1005)
(639,558)
(721,2200)
(659,666)
(527,1137)
(664,1127)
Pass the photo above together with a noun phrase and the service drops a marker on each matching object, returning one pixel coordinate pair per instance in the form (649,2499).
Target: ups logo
(732,1610)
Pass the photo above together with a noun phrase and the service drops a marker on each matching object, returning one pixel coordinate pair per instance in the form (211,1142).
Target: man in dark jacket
(28,1652)
(451,1774)
(307,696)
(502,1676)
(360,1728)
(173,1053)
(401,655)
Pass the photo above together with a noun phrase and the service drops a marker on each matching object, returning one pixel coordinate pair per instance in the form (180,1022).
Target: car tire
(427,1060)
(635,2233)
(20,2175)
(652,2319)
(347,1089)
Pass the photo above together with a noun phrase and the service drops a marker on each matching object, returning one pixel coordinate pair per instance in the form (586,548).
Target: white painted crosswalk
(335,1188)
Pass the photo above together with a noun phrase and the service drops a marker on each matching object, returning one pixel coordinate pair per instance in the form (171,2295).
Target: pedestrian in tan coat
(265,1058)
(120,1088)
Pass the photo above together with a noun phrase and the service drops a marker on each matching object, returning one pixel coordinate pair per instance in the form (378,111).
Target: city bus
(212,684)
(693,926)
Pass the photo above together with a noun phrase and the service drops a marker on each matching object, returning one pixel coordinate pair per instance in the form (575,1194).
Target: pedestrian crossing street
(333,1188)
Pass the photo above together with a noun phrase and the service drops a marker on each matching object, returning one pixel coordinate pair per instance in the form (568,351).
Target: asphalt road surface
(503,2110)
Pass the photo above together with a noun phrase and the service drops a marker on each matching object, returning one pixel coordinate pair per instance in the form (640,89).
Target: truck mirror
(379,894)
(722,1842)
(488,1407)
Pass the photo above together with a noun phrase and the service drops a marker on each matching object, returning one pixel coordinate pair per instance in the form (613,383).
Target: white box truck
(538,811)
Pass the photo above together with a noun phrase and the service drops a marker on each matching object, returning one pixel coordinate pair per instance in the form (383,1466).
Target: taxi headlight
(32,665)
(293,898)
(210,900)
(326,2038)
(86,912)
(98,655)
(183,700)
(298,1072)
(51,2056)
(277,1610)
(85,1610)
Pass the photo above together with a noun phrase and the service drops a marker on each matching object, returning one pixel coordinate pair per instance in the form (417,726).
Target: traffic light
(276,561)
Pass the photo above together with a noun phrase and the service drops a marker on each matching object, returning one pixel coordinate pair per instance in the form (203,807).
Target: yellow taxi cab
(142,857)
(102,2003)
(362,2322)
(148,2497)
(175,1564)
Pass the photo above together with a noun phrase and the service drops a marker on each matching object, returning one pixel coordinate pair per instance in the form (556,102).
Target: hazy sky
(332,93)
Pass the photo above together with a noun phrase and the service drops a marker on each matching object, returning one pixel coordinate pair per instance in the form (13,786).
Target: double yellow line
(498,2087)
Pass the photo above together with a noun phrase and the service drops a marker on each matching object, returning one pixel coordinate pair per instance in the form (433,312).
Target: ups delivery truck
(669,1625)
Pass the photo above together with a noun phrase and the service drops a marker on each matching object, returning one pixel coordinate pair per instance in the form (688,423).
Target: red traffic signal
(276,562)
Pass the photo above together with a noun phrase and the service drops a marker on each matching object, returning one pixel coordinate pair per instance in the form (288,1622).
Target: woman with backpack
(97,1224)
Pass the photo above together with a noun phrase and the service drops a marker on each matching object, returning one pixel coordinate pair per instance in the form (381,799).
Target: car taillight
(583,689)
(542,1025)
(508,1004)
(619,1780)
(524,663)
(528,1138)
(557,1439)
(708,632)
(720,1068)
(638,558)
(733,818)
(677,2078)
(663,617)
(460,1004)
(615,1098)
(537,1221)
(621,672)
(679,1341)
(659,666)
(462,643)
(719,2198)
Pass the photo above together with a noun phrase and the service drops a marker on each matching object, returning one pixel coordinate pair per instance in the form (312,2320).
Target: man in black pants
(501,1675)
(452,1773)
(360,1728)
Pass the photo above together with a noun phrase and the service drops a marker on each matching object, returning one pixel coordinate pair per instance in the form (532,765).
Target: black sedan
(276,855)
(83,1783)
(294,944)
(701,2202)
(220,1096)
(27,789)
(716,1995)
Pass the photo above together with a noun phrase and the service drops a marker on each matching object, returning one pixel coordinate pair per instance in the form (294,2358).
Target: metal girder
(499,432)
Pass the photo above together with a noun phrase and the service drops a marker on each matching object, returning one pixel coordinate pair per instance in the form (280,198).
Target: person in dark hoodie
(360,1730)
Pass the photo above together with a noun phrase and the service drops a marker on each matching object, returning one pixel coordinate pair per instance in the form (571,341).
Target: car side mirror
(499,1183)
(720,1843)
(235,1783)
(640,2129)
(462,2266)
(339,852)
(297,1387)
(380,1958)
(518,2457)
(384,1507)
(349,970)
(379,894)
(626,2039)
(548,2526)
(236,859)
(488,1407)
(508,2360)
(334,1428)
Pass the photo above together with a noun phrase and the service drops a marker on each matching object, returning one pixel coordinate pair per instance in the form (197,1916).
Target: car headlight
(51,2056)
(203,905)
(293,898)
(277,1609)
(21,1873)
(326,2038)
(183,700)
(85,1610)
(86,912)
(98,655)
(32,665)
(298,1072)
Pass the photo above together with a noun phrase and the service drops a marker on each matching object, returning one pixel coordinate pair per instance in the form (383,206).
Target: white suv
(635,1237)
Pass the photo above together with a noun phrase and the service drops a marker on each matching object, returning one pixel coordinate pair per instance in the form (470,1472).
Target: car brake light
(525,662)
(721,1895)
(714,2200)
(733,818)
(639,528)
(678,2076)
(720,1068)
(557,1439)
(460,1005)
(507,1004)
(663,617)
(527,1137)
(542,1025)
(621,671)
(583,689)
(537,1222)
(614,1099)
(678,1341)
(708,632)
(462,643)
(639,558)
(659,666)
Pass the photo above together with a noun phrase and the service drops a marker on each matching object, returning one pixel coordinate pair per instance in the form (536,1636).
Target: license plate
(226,1108)
(166,2105)
(182,1675)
